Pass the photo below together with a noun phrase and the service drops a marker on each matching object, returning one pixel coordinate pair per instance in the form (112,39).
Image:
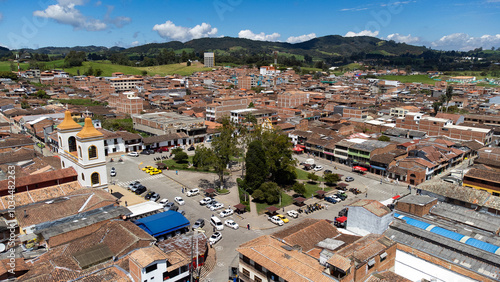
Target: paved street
(169,185)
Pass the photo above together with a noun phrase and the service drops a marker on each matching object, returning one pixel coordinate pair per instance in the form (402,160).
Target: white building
(268,70)
(209,59)
(83,149)
(368,216)
(153,265)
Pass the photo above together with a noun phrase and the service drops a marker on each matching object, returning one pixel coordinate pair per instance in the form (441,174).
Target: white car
(217,206)
(133,154)
(179,201)
(193,192)
(215,238)
(230,223)
(276,220)
(163,201)
(318,168)
(349,179)
(112,173)
(226,212)
(205,201)
(293,213)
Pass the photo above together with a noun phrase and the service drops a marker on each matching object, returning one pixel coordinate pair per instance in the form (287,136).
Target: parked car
(193,192)
(181,212)
(163,201)
(341,195)
(217,223)
(332,199)
(171,207)
(230,223)
(217,206)
(216,237)
(133,184)
(179,201)
(146,168)
(318,168)
(112,173)
(276,220)
(349,179)
(198,223)
(293,213)
(190,148)
(149,195)
(211,204)
(141,189)
(134,187)
(155,197)
(154,171)
(133,154)
(327,171)
(145,152)
(226,212)
(282,217)
(205,201)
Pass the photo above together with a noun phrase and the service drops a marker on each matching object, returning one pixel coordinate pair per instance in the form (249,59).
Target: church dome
(68,122)
(88,130)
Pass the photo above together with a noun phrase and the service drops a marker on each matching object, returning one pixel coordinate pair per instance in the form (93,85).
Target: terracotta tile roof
(17,155)
(145,256)
(73,203)
(365,248)
(307,233)
(183,243)
(290,265)
(340,262)
(17,141)
(42,177)
(386,276)
(484,174)
(372,206)
(176,259)
(112,273)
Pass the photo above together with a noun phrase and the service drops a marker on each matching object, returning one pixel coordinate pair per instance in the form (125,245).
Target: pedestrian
(176,172)
(366,195)
(111,191)
(126,203)
(248,226)
(182,189)
(380,180)
(229,206)
(283,209)
(214,228)
(326,206)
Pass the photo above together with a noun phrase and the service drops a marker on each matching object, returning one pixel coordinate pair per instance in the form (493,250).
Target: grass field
(423,78)
(5,66)
(285,201)
(302,174)
(181,69)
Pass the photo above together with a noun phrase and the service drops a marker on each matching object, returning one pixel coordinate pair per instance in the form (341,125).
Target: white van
(217,223)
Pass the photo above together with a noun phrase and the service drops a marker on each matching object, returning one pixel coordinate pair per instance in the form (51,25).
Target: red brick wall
(415,209)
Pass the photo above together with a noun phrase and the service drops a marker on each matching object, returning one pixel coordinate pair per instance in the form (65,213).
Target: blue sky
(447,25)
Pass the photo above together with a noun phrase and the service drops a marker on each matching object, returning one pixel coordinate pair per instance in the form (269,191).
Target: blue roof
(162,223)
(450,234)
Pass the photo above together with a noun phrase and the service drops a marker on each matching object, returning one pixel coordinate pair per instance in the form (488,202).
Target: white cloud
(248,34)
(353,9)
(465,42)
(362,33)
(135,43)
(181,33)
(301,38)
(404,38)
(64,12)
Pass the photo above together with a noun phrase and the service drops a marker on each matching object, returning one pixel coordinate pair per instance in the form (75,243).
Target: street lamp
(195,232)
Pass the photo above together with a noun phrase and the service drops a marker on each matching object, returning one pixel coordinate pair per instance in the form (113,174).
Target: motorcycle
(111,160)
(120,160)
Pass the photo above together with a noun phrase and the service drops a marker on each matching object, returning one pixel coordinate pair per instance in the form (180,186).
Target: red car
(162,149)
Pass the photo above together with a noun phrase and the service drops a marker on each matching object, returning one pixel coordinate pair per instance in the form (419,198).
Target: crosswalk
(151,177)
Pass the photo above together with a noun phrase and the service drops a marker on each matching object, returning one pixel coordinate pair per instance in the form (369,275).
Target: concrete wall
(361,218)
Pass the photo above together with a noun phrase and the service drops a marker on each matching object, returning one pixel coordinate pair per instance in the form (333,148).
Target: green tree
(89,71)
(188,63)
(42,94)
(384,138)
(98,72)
(331,178)
(181,157)
(203,157)
(436,106)
(256,166)
(299,188)
(312,176)
(279,157)
(269,192)
(251,105)
(144,73)
(25,105)
(224,147)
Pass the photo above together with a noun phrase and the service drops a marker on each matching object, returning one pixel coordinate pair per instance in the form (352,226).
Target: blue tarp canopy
(162,223)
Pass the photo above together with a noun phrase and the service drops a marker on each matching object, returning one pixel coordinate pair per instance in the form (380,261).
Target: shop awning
(297,149)
(341,219)
(360,168)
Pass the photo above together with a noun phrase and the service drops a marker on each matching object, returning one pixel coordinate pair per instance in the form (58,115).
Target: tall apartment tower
(209,59)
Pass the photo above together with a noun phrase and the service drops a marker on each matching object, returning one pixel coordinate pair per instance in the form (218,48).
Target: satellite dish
(2,248)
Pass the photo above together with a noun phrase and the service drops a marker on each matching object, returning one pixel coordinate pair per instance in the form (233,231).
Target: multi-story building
(350,112)
(247,82)
(315,251)
(483,178)
(222,107)
(261,115)
(126,102)
(162,123)
(126,83)
(292,99)
(209,59)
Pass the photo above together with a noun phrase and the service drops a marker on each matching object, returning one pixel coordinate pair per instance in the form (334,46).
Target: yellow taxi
(283,218)
(146,168)
(155,171)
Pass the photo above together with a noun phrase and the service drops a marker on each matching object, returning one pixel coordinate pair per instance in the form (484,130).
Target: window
(383,256)
(94,178)
(72,143)
(371,263)
(246,272)
(257,279)
(80,151)
(63,164)
(60,142)
(83,177)
(151,268)
(92,152)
